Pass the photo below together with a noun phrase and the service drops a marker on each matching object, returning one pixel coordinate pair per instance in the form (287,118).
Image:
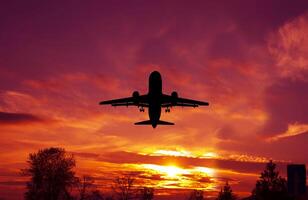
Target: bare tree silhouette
(124,187)
(147,193)
(96,195)
(52,175)
(87,189)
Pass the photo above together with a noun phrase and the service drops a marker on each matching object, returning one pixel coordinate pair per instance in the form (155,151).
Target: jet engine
(174,95)
(136,94)
(136,100)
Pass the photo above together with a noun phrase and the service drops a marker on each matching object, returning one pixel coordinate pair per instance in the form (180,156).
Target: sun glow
(205,170)
(181,153)
(169,171)
(172,176)
(210,155)
(172,171)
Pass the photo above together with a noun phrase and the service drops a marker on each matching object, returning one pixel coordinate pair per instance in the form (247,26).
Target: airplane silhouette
(154,101)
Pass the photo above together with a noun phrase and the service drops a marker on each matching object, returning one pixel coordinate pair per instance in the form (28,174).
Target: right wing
(129,101)
(169,101)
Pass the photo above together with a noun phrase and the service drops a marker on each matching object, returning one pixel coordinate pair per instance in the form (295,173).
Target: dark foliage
(147,193)
(196,195)
(226,193)
(270,185)
(52,175)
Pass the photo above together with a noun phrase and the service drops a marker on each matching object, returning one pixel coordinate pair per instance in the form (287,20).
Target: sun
(173,171)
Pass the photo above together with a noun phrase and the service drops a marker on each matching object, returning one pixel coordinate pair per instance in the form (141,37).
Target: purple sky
(247,58)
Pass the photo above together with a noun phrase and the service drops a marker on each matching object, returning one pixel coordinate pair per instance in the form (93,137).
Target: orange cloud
(18,118)
(289,46)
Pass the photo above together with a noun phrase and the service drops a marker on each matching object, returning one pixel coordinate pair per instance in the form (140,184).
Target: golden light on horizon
(210,155)
(205,170)
(170,171)
(173,176)
(177,153)
(181,153)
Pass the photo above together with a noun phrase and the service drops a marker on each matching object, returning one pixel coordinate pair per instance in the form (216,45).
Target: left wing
(129,101)
(169,101)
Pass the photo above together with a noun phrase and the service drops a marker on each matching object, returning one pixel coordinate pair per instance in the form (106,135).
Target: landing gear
(141,109)
(167,110)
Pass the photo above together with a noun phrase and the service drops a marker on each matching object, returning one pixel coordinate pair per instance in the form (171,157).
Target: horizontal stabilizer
(148,122)
(164,123)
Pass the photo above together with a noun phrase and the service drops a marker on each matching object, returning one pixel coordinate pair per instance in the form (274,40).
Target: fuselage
(155,93)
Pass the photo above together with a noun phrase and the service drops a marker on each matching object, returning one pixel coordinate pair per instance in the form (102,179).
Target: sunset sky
(248,58)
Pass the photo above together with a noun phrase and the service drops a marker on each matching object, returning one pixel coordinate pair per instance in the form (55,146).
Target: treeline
(52,177)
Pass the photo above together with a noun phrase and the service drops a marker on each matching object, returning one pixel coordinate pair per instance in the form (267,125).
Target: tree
(96,195)
(109,198)
(196,195)
(226,193)
(270,185)
(87,189)
(124,188)
(52,174)
(147,193)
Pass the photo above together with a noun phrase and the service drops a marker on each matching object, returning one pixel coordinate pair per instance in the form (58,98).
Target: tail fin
(148,122)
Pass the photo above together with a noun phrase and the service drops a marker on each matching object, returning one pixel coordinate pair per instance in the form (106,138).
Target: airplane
(154,100)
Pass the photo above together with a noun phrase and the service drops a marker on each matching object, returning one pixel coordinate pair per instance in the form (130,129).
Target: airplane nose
(155,74)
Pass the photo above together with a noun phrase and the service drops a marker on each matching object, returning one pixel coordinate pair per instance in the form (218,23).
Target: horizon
(248,59)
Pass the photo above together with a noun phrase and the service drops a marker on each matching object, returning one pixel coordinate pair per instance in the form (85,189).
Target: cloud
(12,183)
(284,96)
(226,133)
(288,149)
(18,118)
(286,103)
(289,46)
(121,157)
(296,147)
(293,129)
(86,155)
